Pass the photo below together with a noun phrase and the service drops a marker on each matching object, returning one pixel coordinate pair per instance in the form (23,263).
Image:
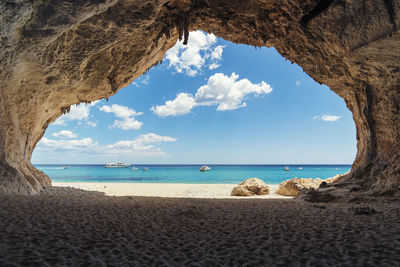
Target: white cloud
(144,145)
(298,83)
(78,144)
(326,117)
(77,112)
(65,134)
(144,79)
(217,52)
(182,104)
(227,93)
(200,51)
(126,114)
(92,123)
(214,66)
(127,124)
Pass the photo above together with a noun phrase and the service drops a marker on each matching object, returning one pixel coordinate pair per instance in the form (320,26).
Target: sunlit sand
(165,189)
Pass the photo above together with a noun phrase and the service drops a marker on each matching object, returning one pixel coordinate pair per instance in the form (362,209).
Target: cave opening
(210,102)
(82,52)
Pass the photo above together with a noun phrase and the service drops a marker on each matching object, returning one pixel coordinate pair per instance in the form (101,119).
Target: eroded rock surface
(293,186)
(57,53)
(250,187)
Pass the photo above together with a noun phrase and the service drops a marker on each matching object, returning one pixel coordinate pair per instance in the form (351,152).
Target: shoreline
(170,190)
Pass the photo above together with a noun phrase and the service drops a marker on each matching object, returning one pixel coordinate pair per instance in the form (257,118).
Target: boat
(205,169)
(64,167)
(300,168)
(117,165)
(146,169)
(286,168)
(134,169)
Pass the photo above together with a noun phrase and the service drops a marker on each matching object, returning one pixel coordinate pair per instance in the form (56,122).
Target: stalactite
(185,31)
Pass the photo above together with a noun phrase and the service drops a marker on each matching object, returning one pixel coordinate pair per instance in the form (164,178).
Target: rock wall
(58,53)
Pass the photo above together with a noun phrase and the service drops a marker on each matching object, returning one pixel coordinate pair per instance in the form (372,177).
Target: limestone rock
(293,186)
(251,187)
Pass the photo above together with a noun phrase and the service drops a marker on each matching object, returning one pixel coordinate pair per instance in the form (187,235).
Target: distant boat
(117,165)
(146,169)
(64,167)
(205,169)
(134,169)
(286,168)
(300,168)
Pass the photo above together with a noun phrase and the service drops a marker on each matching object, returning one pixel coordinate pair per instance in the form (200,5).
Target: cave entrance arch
(63,53)
(280,93)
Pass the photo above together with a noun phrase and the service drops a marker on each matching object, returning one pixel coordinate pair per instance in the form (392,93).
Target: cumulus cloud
(53,145)
(77,112)
(125,113)
(199,52)
(182,104)
(326,117)
(227,93)
(65,134)
(213,66)
(217,52)
(144,145)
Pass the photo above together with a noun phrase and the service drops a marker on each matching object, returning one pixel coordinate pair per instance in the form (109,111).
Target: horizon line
(198,164)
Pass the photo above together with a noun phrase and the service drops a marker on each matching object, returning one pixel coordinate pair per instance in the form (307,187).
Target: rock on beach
(251,187)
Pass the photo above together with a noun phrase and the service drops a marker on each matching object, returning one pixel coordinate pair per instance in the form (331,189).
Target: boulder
(251,187)
(293,186)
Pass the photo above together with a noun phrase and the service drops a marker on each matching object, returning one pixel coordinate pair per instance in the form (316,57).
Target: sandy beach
(166,189)
(63,226)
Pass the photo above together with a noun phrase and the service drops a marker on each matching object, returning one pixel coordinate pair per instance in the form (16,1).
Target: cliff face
(58,53)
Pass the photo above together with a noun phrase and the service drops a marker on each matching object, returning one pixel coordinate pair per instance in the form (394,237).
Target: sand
(70,227)
(165,190)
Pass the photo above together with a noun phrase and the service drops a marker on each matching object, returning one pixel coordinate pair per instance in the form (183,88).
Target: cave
(58,53)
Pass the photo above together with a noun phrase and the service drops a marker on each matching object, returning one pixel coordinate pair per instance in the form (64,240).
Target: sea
(188,174)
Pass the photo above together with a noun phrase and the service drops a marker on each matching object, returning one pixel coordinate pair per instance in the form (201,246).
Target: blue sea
(219,174)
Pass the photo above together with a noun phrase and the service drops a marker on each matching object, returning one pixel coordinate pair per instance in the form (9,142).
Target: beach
(63,226)
(165,189)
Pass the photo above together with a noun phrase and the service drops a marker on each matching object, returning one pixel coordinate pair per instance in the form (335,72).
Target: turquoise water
(219,174)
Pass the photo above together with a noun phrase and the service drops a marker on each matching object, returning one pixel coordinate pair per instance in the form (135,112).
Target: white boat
(205,169)
(64,167)
(300,168)
(146,169)
(134,169)
(286,168)
(117,165)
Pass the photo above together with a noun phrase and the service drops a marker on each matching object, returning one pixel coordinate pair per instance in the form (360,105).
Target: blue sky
(209,102)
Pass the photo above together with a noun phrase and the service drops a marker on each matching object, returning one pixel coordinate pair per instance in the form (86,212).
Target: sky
(212,102)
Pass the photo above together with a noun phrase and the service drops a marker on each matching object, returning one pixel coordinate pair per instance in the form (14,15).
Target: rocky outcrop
(57,53)
(293,186)
(250,187)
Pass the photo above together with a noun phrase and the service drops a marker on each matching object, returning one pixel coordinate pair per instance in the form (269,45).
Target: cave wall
(58,53)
